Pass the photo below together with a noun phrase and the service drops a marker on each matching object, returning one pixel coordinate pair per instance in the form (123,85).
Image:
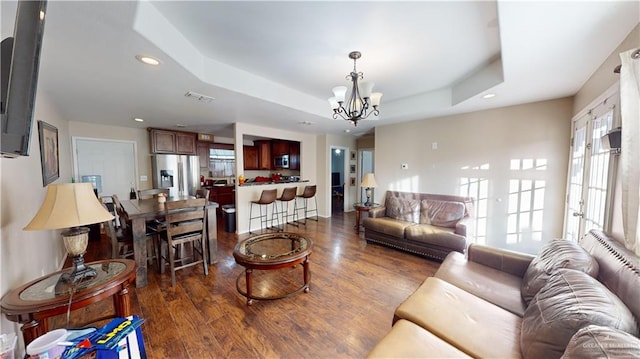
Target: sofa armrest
(377,212)
(511,262)
(464,226)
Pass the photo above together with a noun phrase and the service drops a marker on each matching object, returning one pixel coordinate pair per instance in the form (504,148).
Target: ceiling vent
(199,97)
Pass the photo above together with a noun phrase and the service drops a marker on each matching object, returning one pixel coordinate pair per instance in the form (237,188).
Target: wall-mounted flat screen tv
(19,80)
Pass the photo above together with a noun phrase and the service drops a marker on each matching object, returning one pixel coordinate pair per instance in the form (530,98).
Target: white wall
(26,255)
(494,137)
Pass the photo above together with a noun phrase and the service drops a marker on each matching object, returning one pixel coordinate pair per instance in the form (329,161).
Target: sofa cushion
(403,209)
(595,341)
(490,284)
(407,340)
(441,213)
(437,236)
(557,253)
(389,226)
(473,325)
(571,300)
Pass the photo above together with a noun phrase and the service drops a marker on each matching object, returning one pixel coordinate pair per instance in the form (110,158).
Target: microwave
(281,161)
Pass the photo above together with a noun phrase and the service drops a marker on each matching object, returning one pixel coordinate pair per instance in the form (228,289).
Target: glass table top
(272,246)
(46,288)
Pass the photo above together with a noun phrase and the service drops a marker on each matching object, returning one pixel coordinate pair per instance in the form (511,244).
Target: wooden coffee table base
(249,281)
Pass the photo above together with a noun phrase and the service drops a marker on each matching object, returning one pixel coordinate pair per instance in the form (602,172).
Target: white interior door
(114,161)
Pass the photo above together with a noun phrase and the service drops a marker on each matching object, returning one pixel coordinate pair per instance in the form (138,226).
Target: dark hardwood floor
(355,288)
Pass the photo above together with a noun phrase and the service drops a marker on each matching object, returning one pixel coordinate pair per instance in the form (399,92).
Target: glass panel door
(587,190)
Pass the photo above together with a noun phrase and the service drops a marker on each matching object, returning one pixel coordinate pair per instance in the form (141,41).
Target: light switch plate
(143,178)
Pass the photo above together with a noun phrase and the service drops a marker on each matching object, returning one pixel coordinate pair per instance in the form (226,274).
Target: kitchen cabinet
(172,142)
(222,195)
(203,154)
(294,155)
(264,154)
(279,147)
(250,156)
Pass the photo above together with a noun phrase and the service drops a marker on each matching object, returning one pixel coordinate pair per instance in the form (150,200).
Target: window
(222,162)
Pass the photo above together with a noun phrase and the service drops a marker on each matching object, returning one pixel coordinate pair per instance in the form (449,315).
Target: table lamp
(369,182)
(71,205)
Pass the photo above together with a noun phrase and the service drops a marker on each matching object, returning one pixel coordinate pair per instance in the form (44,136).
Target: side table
(360,207)
(33,303)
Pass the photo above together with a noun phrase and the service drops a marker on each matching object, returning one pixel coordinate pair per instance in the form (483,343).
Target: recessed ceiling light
(180,125)
(347,130)
(308,123)
(489,95)
(138,119)
(148,60)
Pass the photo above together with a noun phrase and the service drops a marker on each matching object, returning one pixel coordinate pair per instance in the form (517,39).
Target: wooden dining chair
(122,236)
(151,193)
(185,223)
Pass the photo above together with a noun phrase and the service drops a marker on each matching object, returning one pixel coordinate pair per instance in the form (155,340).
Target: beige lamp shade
(369,181)
(69,205)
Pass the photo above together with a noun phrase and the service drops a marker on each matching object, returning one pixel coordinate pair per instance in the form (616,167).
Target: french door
(588,196)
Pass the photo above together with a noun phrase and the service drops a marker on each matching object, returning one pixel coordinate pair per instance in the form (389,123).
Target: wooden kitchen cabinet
(279,148)
(172,142)
(264,154)
(186,143)
(294,155)
(222,195)
(250,156)
(204,154)
(162,141)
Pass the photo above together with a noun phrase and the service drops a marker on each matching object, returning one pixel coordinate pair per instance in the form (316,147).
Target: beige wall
(138,135)
(494,137)
(26,255)
(604,77)
(594,87)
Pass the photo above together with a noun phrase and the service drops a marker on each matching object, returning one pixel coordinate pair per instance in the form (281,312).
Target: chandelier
(358,106)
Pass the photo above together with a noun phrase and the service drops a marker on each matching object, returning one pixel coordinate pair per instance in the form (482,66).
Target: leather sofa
(571,301)
(430,225)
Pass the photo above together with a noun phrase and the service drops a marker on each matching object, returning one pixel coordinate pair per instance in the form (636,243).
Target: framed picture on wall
(352,181)
(353,155)
(48,152)
(352,168)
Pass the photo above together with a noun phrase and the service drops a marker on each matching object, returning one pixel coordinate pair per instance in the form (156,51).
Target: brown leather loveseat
(571,301)
(430,225)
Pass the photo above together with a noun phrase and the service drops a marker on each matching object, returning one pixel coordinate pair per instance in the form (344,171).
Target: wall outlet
(404,166)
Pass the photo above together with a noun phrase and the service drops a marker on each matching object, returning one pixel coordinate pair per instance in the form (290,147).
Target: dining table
(142,210)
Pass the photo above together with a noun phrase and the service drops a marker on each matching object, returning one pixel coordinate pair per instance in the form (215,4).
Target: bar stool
(288,194)
(308,193)
(267,197)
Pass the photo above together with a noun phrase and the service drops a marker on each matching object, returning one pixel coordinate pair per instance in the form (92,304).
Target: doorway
(590,172)
(338,163)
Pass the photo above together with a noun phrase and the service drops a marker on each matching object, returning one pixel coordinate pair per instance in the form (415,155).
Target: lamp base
(368,194)
(75,241)
(72,279)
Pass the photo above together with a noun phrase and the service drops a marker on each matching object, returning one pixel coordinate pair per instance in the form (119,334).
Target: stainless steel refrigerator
(179,173)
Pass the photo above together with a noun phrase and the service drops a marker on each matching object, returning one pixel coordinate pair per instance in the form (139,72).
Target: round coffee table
(272,251)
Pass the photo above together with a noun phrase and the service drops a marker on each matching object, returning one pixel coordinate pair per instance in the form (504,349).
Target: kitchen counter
(248,184)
